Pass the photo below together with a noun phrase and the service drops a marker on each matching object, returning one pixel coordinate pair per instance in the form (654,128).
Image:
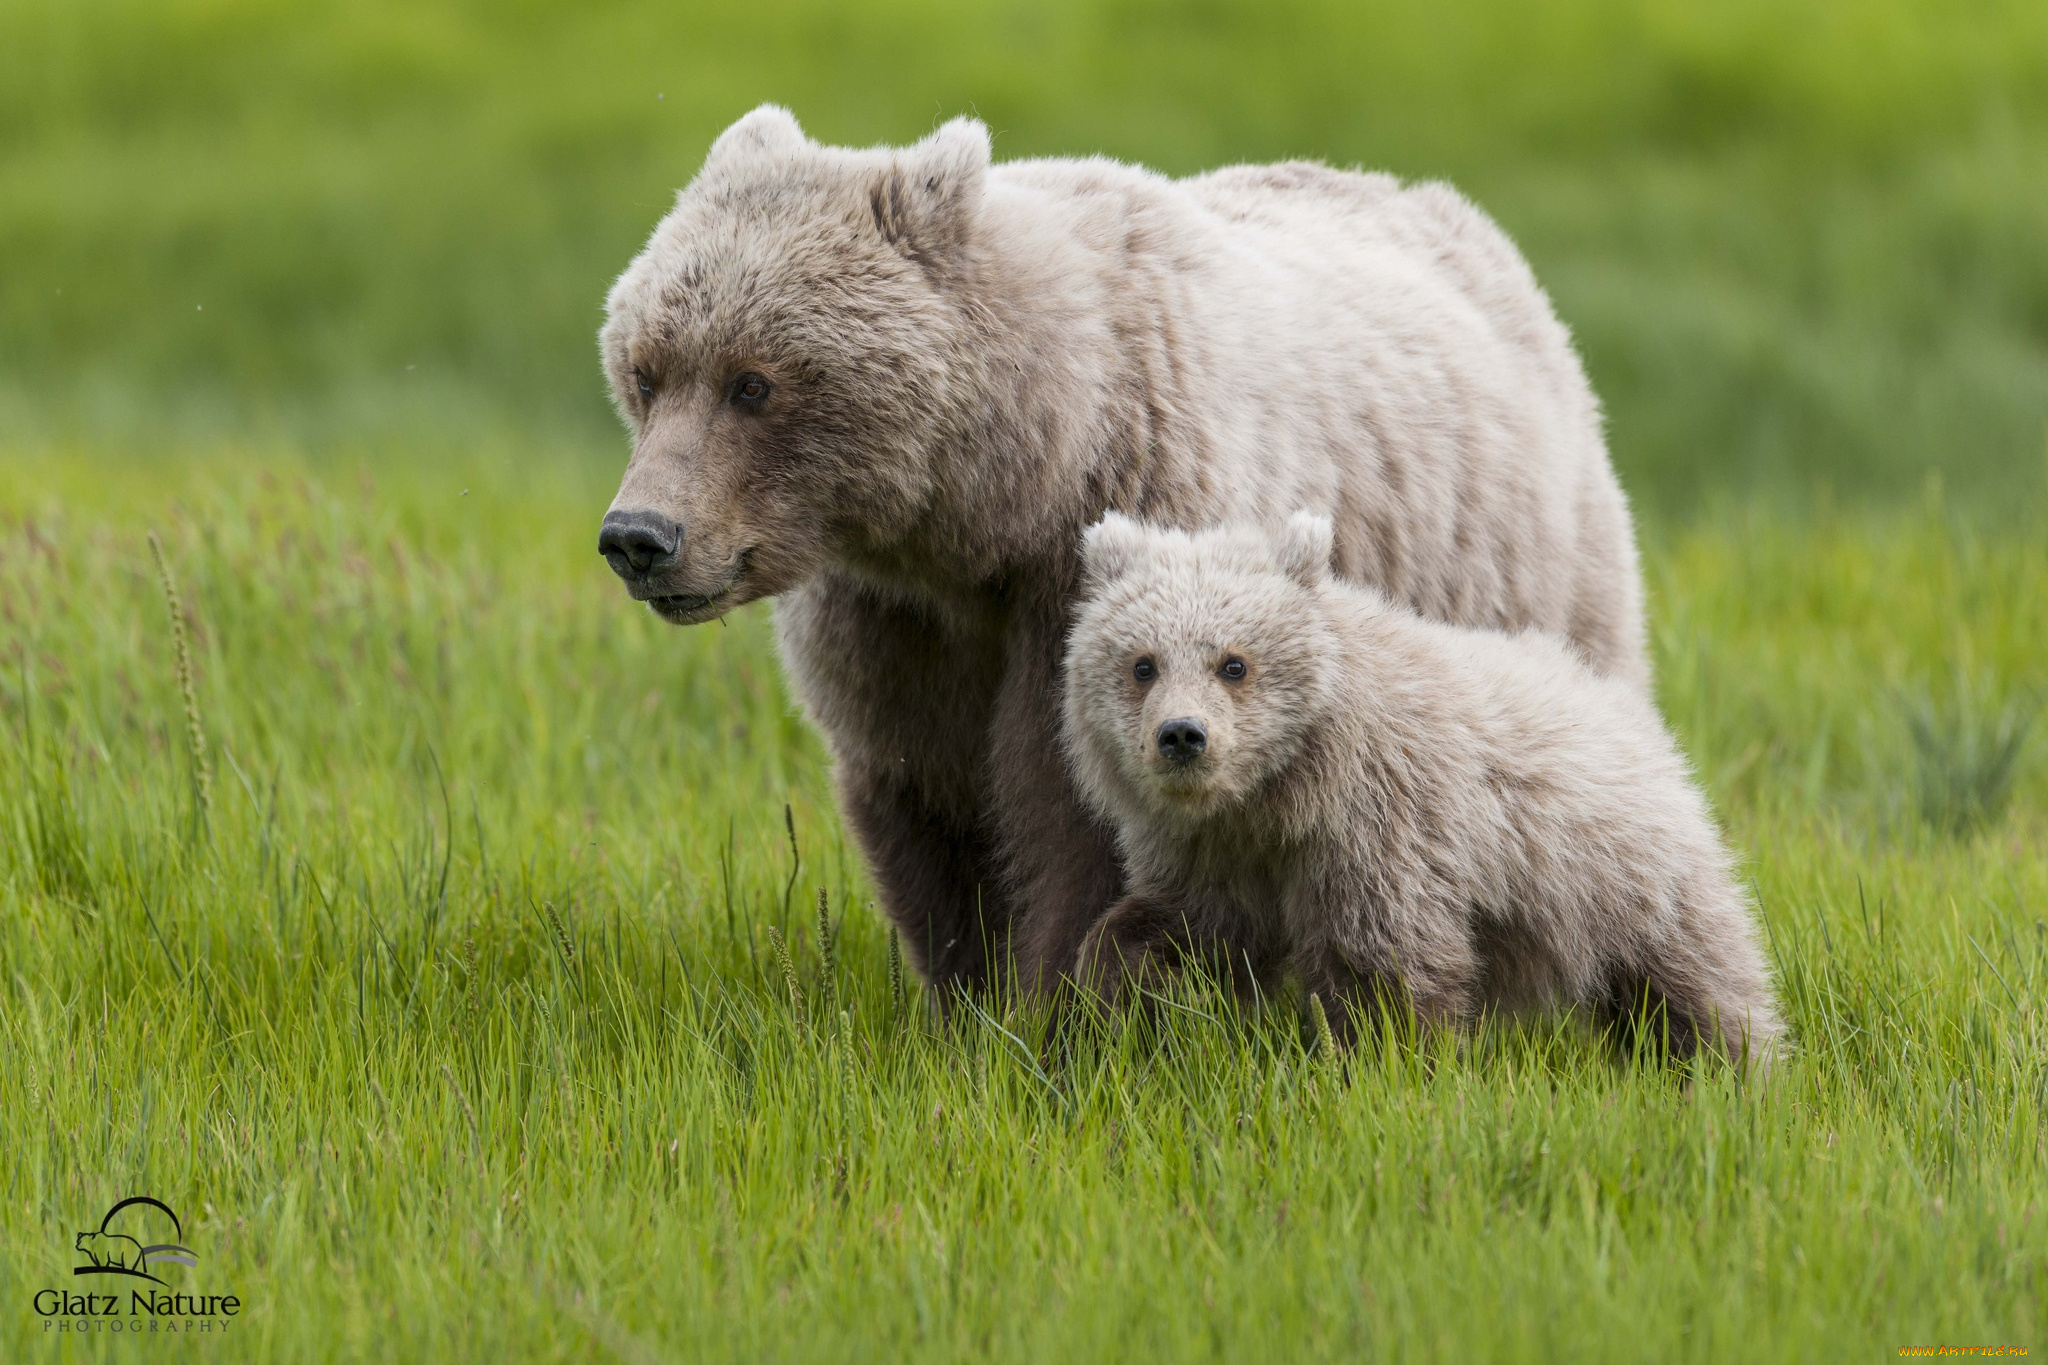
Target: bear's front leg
(1145,939)
(1374,944)
(904,695)
(1136,946)
(1060,865)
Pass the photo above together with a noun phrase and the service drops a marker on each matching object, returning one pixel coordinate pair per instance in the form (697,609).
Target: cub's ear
(1304,548)
(1110,547)
(927,200)
(770,133)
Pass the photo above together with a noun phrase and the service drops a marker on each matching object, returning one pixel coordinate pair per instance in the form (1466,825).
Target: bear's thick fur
(1306,777)
(892,386)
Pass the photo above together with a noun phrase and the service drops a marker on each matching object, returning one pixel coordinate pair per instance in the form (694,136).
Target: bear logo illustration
(112,1251)
(108,1252)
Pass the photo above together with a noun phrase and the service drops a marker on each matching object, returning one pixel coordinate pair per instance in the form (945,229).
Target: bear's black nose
(635,542)
(1183,740)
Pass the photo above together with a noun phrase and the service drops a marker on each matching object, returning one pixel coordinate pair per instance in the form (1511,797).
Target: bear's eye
(749,390)
(1233,668)
(642,382)
(1144,670)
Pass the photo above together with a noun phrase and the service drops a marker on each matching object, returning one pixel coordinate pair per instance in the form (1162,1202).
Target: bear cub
(1305,777)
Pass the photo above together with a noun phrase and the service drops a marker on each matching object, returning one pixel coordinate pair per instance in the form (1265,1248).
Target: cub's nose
(1183,740)
(635,542)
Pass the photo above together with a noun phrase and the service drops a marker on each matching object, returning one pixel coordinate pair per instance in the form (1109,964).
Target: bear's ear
(1110,547)
(1304,548)
(770,133)
(925,203)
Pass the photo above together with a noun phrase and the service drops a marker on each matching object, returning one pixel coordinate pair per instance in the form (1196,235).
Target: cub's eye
(1233,668)
(749,390)
(645,385)
(1144,670)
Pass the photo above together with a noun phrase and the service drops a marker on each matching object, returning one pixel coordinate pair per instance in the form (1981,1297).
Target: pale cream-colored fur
(1473,816)
(969,363)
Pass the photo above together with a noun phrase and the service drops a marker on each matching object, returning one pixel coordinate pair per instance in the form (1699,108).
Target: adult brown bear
(890,387)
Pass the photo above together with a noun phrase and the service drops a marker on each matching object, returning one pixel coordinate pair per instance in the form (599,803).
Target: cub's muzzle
(1183,740)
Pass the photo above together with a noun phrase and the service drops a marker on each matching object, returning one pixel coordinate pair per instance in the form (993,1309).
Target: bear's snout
(638,542)
(1183,740)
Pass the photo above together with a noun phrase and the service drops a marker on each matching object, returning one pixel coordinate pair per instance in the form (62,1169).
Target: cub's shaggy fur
(1460,817)
(891,387)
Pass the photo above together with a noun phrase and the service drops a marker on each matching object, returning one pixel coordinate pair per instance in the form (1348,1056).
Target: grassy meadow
(440,934)
(453,999)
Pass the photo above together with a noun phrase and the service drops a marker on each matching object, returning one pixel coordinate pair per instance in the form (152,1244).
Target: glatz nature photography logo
(130,1244)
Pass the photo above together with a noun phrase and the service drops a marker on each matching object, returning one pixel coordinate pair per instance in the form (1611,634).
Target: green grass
(1800,243)
(453,1023)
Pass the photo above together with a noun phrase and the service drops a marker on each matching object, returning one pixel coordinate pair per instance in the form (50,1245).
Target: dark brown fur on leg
(1061,866)
(1367,1005)
(1422,982)
(1643,1019)
(1675,1019)
(904,696)
(1142,943)
(934,886)
(1136,946)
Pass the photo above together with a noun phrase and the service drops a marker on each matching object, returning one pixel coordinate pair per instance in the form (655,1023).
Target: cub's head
(1196,665)
(787,352)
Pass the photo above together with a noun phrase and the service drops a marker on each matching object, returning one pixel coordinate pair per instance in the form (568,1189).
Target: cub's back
(1488,707)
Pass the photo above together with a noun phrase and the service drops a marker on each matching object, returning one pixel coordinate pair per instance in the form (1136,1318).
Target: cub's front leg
(1145,940)
(1136,946)
(1368,941)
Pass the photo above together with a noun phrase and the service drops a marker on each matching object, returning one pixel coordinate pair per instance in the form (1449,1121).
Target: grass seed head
(896,992)
(782,959)
(195,733)
(1326,1041)
(825,930)
(560,929)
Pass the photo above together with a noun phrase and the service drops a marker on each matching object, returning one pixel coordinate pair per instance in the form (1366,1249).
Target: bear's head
(789,352)
(1197,663)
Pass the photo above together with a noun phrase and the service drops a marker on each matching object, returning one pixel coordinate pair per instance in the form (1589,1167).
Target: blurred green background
(1804,246)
